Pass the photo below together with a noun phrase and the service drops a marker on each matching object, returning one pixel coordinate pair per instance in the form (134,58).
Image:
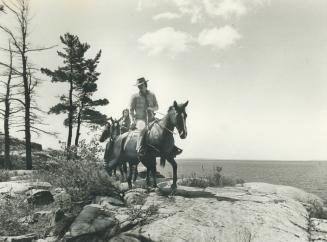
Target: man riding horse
(142,108)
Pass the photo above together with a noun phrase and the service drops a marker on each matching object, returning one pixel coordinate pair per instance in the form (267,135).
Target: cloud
(139,7)
(166,40)
(219,38)
(201,9)
(216,65)
(225,8)
(167,16)
(193,8)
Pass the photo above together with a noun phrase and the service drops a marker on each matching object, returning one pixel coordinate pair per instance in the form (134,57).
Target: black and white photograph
(163,120)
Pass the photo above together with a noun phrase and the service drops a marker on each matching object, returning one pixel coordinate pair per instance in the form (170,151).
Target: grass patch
(13,210)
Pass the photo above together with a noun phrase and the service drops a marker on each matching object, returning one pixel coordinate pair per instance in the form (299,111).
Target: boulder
(39,197)
(92,224)
(105,200)
(135,196)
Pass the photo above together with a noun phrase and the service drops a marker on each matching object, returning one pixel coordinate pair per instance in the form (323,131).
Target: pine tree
(81,75)
(71,73)
(86,105)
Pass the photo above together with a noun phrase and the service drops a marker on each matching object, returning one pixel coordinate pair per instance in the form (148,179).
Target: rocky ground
(249,212)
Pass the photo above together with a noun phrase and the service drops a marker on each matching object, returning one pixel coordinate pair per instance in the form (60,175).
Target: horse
(111,131)
(160,143)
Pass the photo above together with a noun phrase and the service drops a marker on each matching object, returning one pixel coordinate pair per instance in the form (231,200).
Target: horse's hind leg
(135,173)
(154,171)
(173,163)
(129,179)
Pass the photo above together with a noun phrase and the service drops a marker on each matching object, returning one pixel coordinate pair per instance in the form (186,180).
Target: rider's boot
(141,146)
(176,151)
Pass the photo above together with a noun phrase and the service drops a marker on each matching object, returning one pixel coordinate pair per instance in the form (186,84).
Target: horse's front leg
(122,173)
(154,171)
(148,175)
(110,166)
(173,163)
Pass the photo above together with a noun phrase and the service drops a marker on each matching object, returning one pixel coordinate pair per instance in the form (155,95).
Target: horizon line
(231,159)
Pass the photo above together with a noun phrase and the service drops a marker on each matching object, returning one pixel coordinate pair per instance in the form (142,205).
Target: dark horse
(160,143)
(112,131)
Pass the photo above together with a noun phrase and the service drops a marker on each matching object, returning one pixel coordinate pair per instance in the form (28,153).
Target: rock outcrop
(253,212)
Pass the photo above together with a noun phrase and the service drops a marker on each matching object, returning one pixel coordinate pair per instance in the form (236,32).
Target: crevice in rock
(140,237)
(295,235)
(297,225)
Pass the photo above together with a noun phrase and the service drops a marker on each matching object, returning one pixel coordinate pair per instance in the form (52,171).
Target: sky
(253,70)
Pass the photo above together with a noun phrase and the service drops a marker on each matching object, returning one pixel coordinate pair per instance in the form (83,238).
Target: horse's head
(179,119)
(106,132)
(115,128)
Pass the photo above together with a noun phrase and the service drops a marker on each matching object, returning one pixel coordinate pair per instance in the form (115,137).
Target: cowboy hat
(140,81)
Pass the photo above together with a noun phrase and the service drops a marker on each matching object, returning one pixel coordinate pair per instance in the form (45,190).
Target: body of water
(310,176)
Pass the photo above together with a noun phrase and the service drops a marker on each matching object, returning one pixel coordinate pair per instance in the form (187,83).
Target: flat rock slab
(255,212)
(20,172)
(22,186)
(21,238)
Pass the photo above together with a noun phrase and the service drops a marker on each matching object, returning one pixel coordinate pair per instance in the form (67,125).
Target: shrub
(83,176)
(4,176)
(316,210)
(216,179)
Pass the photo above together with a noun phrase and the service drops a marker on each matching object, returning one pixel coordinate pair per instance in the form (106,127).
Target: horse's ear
(175,105)
(185,104)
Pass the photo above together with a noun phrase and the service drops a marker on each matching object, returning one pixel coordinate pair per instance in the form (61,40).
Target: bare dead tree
(9,110)
(6,114)
(20,9)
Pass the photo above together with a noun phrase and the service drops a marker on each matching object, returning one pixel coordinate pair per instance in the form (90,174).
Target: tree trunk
(78,127)
(70,115)
(7,161)
(28,146)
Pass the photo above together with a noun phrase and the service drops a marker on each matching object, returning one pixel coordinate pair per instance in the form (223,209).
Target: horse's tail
(162,161)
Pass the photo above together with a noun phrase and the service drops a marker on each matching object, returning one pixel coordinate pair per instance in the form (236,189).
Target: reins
(171,131)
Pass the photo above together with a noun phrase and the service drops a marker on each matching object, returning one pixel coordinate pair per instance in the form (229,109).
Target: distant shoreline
(245,160)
